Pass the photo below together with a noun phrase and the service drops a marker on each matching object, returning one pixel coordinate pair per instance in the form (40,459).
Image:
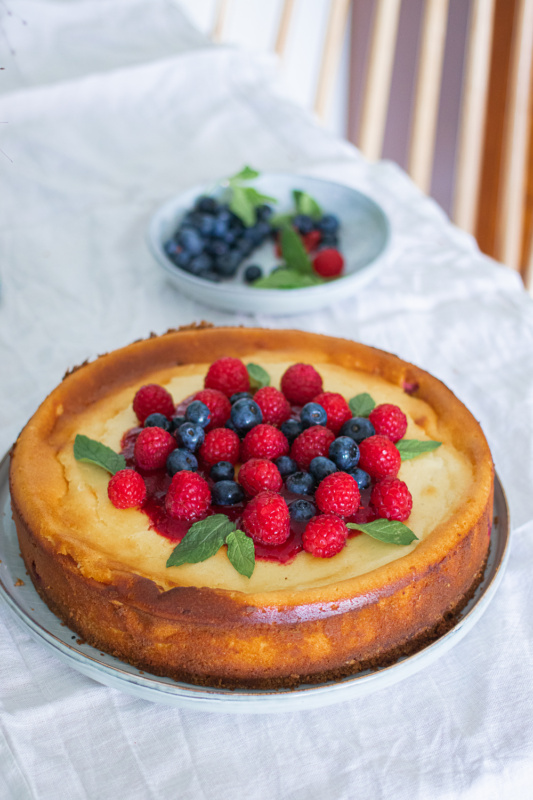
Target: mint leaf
(293,251)
(94,452)
(257,198)
(361,405)
(241,552)
(241,206)
(245,174)
(259,377)
(287,279)
(386,531)
(202,540)
(278,220)
(411,448)
(305,204)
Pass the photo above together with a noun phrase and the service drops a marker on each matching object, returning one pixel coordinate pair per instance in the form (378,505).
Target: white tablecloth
(109,108)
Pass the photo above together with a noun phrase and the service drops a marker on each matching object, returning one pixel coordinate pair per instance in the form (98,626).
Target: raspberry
(338,494)
(379,457)
(389,420)
(336,408)
(221,444)
(300,383)
(151,399)
(188,497)
(311,240)
(391,499)
(218,404)
(274,405)
(259,474)
(126,489)
(266,518)
(328,263)
(264,441)
(152,448)
(228,375)
(312,442)
(324,536)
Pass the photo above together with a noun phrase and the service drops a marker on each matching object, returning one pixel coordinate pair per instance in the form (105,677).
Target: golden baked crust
(167,621)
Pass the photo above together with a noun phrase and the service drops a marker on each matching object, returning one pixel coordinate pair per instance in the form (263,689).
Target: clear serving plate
(35,616)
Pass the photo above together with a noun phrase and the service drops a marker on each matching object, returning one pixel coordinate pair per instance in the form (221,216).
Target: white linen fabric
(108,109)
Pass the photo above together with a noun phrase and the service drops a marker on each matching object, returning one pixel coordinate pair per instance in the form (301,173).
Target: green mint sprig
(411,448)
(94,452)
(361,405)
(298,271)
(259,377)
(385,530)
(245,199)
(303,204)
(205,538)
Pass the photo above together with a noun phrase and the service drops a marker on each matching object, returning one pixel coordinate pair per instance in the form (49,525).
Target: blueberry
(198,413)
(220,228)
(344,452)
(207,204)
(227,493)
(175,422)
(246,414)
(300,483)
(222,471)
(313,414)
(252,273)
(329,241)
(177,254)
(191,240)
(200,264)
(361,477)
(204,223)
(216,248)
(291,429)
(321,466)
(181,460)
(286,465)
(229,424)
(328,224)
(156,420)
(239,396)
(230,237)
(244,247)
(227,265)
(358,428)
(302,510)
(190,436)
(303,223)
(263,213)
(257,233)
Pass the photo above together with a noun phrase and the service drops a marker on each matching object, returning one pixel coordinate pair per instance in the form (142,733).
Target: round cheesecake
(103,569)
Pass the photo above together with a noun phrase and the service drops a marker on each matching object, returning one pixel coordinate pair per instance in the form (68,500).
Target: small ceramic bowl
(364,239)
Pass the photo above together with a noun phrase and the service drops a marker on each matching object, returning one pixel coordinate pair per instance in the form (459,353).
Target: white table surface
(100,123)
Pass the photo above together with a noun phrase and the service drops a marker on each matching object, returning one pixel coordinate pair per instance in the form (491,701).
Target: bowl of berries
(272,243)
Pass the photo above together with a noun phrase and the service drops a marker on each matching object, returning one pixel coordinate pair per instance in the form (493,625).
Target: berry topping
(259,474)
(152,448)
(179,460)
(324,536)
(320,467)
(175,422)
(358,428)
(311,240)
(228,375)
(264,441)
(222,471)
(198,413)
(300,383)
(218,404)
(252,273)
(190,436)
(338,494)
(227,493)
(245,415)
(239,396)
(389,420)
(291,429)
(273,404)
(302,510)
(300,483)
(391,499)
(344,452)
(188,497)
(220,444)
(312,442)
(328,263)
(157,420)
(286,465)
(152,398)
(361,478)
(313,414)
(126,489)
(379,457)
(337,409)
(266,518)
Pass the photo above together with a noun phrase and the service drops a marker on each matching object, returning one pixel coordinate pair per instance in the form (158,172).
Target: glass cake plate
(18,593)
